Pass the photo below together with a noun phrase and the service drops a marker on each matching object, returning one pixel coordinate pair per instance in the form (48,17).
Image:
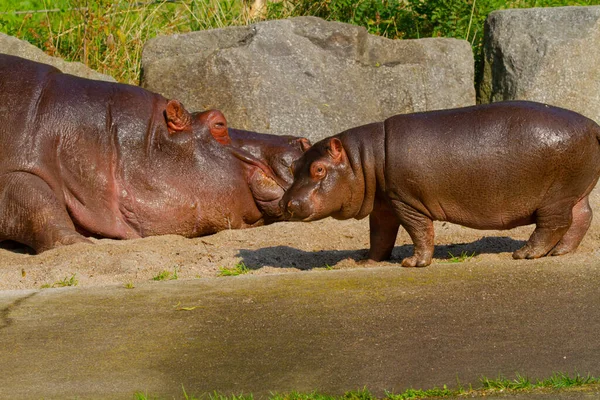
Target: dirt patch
(280,248)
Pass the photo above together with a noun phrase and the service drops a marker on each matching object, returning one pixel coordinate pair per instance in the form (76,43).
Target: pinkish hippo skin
(495,166)
(81,157)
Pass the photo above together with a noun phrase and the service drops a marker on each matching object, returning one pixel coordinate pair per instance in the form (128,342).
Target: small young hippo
(495,166)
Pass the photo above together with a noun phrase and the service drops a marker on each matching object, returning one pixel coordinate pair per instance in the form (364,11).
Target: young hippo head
(325,184)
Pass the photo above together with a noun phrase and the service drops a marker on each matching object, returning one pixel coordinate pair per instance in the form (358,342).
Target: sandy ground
(286,247)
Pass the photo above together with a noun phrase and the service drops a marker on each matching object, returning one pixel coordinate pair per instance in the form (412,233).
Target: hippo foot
(528,253)
(414,261)
(559,252)
(65,238)
(562,249)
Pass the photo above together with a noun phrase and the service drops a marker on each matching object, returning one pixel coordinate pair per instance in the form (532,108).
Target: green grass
(166,275)
(72,281)
(239,269)
(464,256)
(108,36)
(520,384)
(325,267)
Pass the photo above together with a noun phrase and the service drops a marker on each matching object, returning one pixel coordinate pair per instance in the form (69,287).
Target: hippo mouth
(267,193)
(266,187)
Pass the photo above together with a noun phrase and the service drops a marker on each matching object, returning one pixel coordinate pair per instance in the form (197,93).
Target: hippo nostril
(293,205)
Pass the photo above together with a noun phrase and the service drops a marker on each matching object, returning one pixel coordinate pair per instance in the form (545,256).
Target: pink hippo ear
(304,144)
(335,149)
(215,121)
(178,118)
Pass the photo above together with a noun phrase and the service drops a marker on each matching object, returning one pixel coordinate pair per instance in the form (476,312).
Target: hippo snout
(292,208)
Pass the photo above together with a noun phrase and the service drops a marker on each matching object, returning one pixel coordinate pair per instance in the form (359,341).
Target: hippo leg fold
(383,225)
(31,214)
(582,219)
(420,228)
(550,228)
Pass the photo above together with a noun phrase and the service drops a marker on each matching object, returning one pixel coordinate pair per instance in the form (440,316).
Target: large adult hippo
(494,166)
(80,157)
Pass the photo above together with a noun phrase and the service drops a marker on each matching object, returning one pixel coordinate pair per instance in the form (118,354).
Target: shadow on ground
(16,247)
(289,257)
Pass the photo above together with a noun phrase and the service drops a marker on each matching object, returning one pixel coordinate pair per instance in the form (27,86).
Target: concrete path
(332,331)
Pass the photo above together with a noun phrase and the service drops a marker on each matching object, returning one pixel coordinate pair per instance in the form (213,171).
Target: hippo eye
(318,171)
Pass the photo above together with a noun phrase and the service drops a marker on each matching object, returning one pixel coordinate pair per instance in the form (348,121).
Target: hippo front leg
(420,228)
(31,214)
(383,229)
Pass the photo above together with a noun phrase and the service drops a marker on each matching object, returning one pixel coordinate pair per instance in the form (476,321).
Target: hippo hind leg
(420,229)
(551,225)
(31,214)
(582,219)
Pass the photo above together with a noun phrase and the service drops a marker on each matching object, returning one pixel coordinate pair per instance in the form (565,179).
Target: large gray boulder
(16,47)
(305,76)
(550,55)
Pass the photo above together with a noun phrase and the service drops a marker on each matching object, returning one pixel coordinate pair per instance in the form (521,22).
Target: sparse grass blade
(162,276)
(520,384)
(166,275)
(239,269)
(72,281)
(561,380)
(464,256)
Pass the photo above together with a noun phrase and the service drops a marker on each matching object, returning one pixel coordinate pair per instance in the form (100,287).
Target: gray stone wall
(551,55)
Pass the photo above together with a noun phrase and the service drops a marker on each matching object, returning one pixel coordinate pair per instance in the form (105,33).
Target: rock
(549,55)
(308,77)
(16,47)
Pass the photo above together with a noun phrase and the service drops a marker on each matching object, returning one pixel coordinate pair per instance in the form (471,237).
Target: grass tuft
(239,269)
(219,396)
(72,281)
(502,384)
(561,381)
(166,275)
(464,256)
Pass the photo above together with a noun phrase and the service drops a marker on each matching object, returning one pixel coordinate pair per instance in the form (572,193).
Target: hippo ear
(335,149)
(304,143)
(178,118)
(217,124)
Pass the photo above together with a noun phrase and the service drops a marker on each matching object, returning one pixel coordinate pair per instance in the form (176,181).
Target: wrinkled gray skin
(80,157)
(493,166)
